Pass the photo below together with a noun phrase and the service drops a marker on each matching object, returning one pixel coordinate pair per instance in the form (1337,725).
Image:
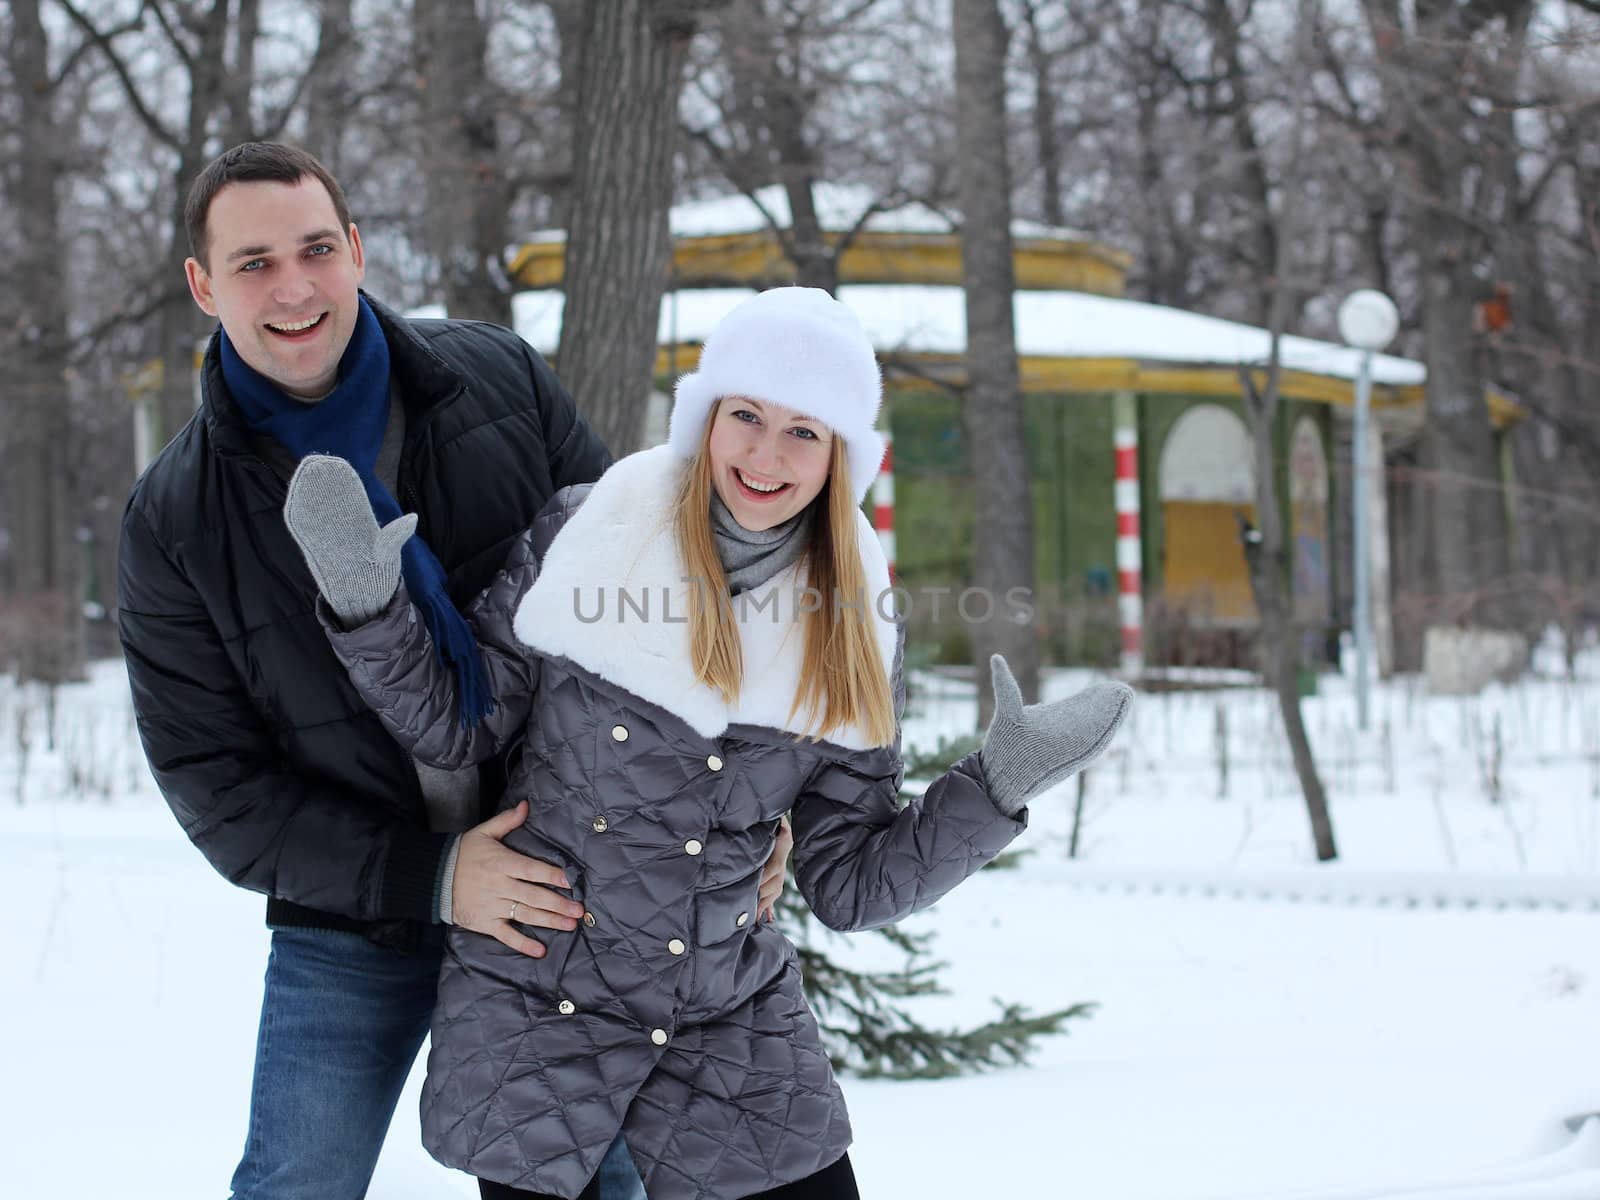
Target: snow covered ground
(1418,1020)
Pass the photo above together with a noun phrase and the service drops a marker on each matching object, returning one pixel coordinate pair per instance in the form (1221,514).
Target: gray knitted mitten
(356,564)
(1029,749)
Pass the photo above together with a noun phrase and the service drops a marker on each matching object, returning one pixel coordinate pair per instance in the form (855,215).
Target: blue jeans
(341,1023)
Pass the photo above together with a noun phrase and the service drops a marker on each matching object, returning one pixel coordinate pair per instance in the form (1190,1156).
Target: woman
(693,647)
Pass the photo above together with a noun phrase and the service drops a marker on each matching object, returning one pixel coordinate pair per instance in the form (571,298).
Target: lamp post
(1368,321)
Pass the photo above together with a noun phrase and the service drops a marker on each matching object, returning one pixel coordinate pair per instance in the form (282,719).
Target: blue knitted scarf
(350,422)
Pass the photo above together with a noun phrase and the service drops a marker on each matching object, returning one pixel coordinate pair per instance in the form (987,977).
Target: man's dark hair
(253,162)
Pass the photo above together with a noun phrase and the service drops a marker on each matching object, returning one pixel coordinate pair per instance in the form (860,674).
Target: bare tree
(1042,63)
(197,37)
(1440,65)
(465,171)
(1158,127)
(1266,546)
(766,104)
(330,96)
(619,248)
(212,45)
(568,17)
(44,625)
(1165,186)
(239,81)
(1002,556)
(765,98)
(1541,330)
(1066,60)
(1231,102)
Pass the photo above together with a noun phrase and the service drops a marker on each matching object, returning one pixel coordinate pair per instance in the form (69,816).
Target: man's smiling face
(281,276)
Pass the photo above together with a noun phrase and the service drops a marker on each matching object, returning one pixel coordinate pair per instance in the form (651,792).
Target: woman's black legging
(837,1182)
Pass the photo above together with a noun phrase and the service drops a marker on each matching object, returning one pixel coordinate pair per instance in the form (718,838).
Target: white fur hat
(797,347)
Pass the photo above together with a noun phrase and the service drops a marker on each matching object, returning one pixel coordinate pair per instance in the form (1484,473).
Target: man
(268,758)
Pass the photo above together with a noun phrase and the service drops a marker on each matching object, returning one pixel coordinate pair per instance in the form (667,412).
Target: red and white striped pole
(1130,586)
(883,501)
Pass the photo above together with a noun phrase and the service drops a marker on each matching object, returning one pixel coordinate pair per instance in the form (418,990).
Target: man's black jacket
(270,760)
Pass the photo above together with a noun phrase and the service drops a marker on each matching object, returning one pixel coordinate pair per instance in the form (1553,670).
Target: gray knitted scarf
(749,557)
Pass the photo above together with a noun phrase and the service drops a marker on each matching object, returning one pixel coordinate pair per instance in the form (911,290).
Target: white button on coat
(693,846)
(676,946)
(714,762)
(599,824)
(658,1036)
(619,733)
(744,919)
(567,1008)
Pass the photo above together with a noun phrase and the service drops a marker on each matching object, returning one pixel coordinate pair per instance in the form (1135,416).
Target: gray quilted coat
(672,1013)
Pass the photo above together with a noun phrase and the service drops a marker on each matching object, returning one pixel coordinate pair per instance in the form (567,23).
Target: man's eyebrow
(320,235)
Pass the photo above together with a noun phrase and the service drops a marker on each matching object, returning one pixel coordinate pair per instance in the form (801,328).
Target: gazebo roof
(901,273)
(1066,341)
(840,208)
(734,240)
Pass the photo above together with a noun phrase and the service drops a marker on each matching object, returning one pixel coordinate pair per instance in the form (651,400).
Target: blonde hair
(843,678)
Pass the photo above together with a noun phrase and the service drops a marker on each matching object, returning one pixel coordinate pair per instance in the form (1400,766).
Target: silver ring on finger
(513,914)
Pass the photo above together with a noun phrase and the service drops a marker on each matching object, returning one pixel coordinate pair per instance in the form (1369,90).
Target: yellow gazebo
(1168,379)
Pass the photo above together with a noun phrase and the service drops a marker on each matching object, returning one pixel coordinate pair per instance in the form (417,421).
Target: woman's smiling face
(767,462)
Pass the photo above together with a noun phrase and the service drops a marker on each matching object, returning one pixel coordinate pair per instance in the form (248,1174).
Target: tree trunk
(1238,108)
(1468,535)
(1267,552)
(1268,557)
(619,249)
(992,410)
(1439,63)
(1557,454)
(469,197)
(246,28)
(816,262)
(329,103)
(1165,273)
(767,105)
(1267,548)
(569,17)
(1053,208)
(181,324)
(785,111)
(44,614)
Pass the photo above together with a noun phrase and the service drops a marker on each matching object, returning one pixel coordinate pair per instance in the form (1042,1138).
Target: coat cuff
(1005,824)
(370,636)
(411,875)
(444,892)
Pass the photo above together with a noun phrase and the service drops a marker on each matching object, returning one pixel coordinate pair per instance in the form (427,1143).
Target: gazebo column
(1130,546)
(883,496)
(1378,550)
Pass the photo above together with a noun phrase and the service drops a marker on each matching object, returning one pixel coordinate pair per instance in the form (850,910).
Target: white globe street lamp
(1368,321)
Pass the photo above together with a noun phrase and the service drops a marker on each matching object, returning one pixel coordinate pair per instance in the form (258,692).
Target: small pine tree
(865,1027)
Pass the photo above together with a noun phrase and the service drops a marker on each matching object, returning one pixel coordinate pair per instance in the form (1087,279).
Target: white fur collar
(617,557)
